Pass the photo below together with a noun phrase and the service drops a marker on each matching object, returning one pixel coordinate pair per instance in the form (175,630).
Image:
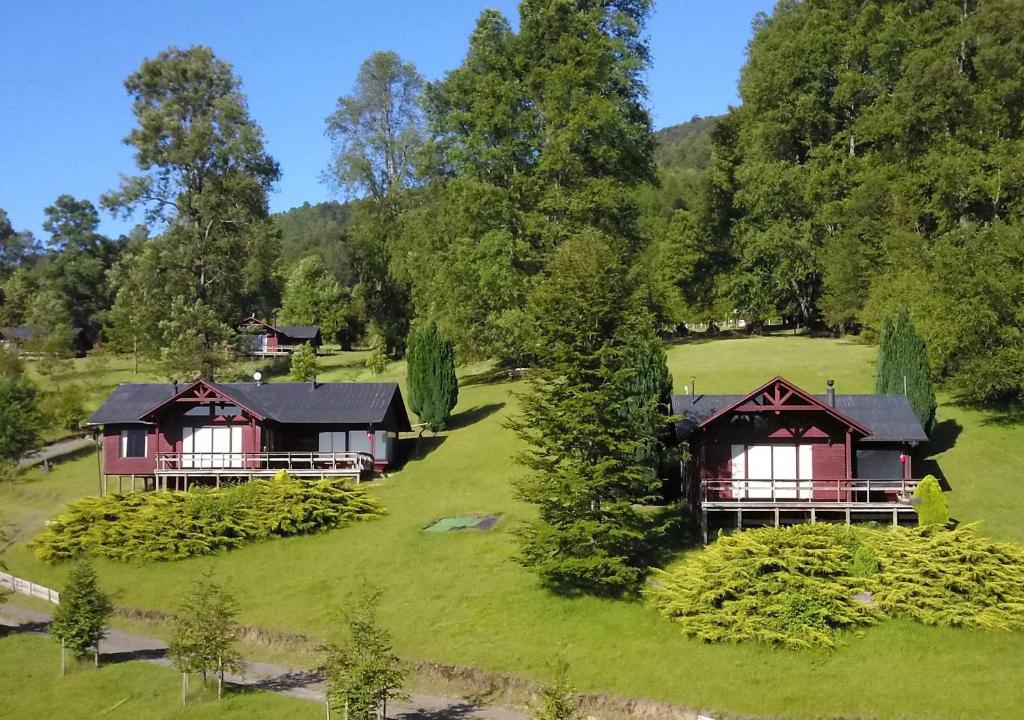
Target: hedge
(172,525)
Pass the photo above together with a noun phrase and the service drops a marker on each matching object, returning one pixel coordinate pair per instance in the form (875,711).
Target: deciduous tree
(363,672)
(203,634)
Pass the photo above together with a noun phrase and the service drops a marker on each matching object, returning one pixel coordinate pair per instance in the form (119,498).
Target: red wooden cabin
(170,435)
(269,340)
(780,454)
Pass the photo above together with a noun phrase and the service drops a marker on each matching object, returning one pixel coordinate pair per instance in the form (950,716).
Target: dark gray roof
(889,417)
(301,332)
(24,332)
(291,403)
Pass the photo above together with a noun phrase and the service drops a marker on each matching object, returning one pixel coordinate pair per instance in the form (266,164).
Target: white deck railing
(342,463)
(839,490)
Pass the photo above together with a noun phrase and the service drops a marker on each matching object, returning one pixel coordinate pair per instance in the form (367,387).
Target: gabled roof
(24,332)
(290,403)
(886,418)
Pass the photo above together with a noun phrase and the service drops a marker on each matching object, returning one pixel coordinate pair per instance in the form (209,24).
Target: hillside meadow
(461,598)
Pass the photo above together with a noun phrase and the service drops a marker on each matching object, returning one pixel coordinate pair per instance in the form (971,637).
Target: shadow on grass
(943,437)
(474,415)
(417,448)
(492,376)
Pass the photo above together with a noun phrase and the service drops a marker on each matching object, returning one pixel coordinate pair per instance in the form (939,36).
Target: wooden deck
(782,502)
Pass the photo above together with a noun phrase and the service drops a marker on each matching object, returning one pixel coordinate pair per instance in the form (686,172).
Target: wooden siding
(114,464)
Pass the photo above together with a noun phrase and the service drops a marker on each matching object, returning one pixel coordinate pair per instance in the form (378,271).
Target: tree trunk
(184,687)
(96,654)
(62,658)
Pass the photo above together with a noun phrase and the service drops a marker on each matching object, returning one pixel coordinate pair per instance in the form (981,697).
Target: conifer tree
(903,366)
(80,622)
(203,633)
(557,701)
(305,364)
(930,503)
(433,386)
(363,672)
(589,427)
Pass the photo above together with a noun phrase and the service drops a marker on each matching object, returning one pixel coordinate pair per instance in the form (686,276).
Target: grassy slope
(460,597)
(146,690)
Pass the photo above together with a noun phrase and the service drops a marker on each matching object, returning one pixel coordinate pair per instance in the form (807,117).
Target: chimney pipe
(312,382)
(693,391)
(831,392)
(174,384)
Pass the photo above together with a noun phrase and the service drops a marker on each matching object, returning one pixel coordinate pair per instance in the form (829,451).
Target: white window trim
(124,446)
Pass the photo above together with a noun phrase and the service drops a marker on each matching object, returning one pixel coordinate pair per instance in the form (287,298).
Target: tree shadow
(417,448)
(943,437)
(1005,417)
(451,712)
(147,654)
(474,415)
(493,376)
(36,628)
(290,681)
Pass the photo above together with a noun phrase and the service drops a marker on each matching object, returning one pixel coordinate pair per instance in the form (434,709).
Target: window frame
(123,443)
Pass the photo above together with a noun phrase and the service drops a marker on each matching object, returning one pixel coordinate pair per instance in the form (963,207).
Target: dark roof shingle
(291,403)
(889,417)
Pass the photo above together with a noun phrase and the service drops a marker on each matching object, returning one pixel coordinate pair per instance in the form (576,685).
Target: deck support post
(847,516)
(895,518)
(776,517)
(186,483)
(739,519)
(814,516)
(704,526)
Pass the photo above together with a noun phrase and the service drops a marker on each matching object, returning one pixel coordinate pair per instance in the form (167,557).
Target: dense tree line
(875,162)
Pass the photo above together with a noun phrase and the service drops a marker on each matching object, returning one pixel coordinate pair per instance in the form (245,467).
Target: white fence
(26,587)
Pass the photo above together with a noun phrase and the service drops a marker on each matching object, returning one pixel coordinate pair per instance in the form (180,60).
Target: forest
(875,162)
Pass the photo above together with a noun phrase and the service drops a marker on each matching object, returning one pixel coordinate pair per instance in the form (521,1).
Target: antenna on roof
(257,376)
(312,382)
(693,390)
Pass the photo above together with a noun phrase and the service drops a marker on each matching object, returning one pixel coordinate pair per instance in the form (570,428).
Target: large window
(133,443)
(757,466)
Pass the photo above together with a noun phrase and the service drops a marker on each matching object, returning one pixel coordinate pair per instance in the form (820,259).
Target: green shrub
(801,586)
(930,503)
(172,525)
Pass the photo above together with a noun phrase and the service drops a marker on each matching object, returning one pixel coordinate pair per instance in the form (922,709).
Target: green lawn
(460,597)
(125,690)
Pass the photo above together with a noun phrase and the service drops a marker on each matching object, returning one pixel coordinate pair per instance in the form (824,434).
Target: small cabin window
(133,443)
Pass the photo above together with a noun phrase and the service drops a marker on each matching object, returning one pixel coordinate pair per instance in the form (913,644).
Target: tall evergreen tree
(902,366)
(590,425)
(21,422)
(433,386)
(305,365)
(80,622)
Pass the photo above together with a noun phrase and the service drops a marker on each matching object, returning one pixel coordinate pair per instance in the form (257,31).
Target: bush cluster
(172,526)
(801,586)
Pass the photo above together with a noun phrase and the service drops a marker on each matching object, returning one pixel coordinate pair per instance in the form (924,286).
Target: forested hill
(686,146)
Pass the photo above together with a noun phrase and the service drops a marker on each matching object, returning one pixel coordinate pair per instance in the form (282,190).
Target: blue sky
(64,112)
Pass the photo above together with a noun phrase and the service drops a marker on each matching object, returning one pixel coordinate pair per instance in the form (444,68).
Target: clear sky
(64,111)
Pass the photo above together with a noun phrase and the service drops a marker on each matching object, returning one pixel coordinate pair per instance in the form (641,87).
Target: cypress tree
(903,366)
(433,386)
(930,503)
(590,433)
(80,621)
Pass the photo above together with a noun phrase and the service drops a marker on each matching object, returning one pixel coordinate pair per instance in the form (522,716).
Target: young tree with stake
(80,622)
(204,632)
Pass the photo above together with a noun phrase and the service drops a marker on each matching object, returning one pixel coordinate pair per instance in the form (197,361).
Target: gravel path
(306,684)
(56,450)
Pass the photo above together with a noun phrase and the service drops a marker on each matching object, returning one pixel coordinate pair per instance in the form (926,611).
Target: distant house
(780,455)
(268,340)
(15,339)
(168,435)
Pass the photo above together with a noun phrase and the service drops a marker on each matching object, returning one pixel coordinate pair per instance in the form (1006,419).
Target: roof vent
(831,392)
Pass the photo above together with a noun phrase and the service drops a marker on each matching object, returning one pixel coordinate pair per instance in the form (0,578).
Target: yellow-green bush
(800,586)
(171,525)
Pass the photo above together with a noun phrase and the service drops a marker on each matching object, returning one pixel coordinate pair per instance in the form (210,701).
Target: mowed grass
(124,690)
(461,598)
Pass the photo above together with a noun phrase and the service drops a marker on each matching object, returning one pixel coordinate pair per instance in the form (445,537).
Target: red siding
(829,463)
(114,464)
